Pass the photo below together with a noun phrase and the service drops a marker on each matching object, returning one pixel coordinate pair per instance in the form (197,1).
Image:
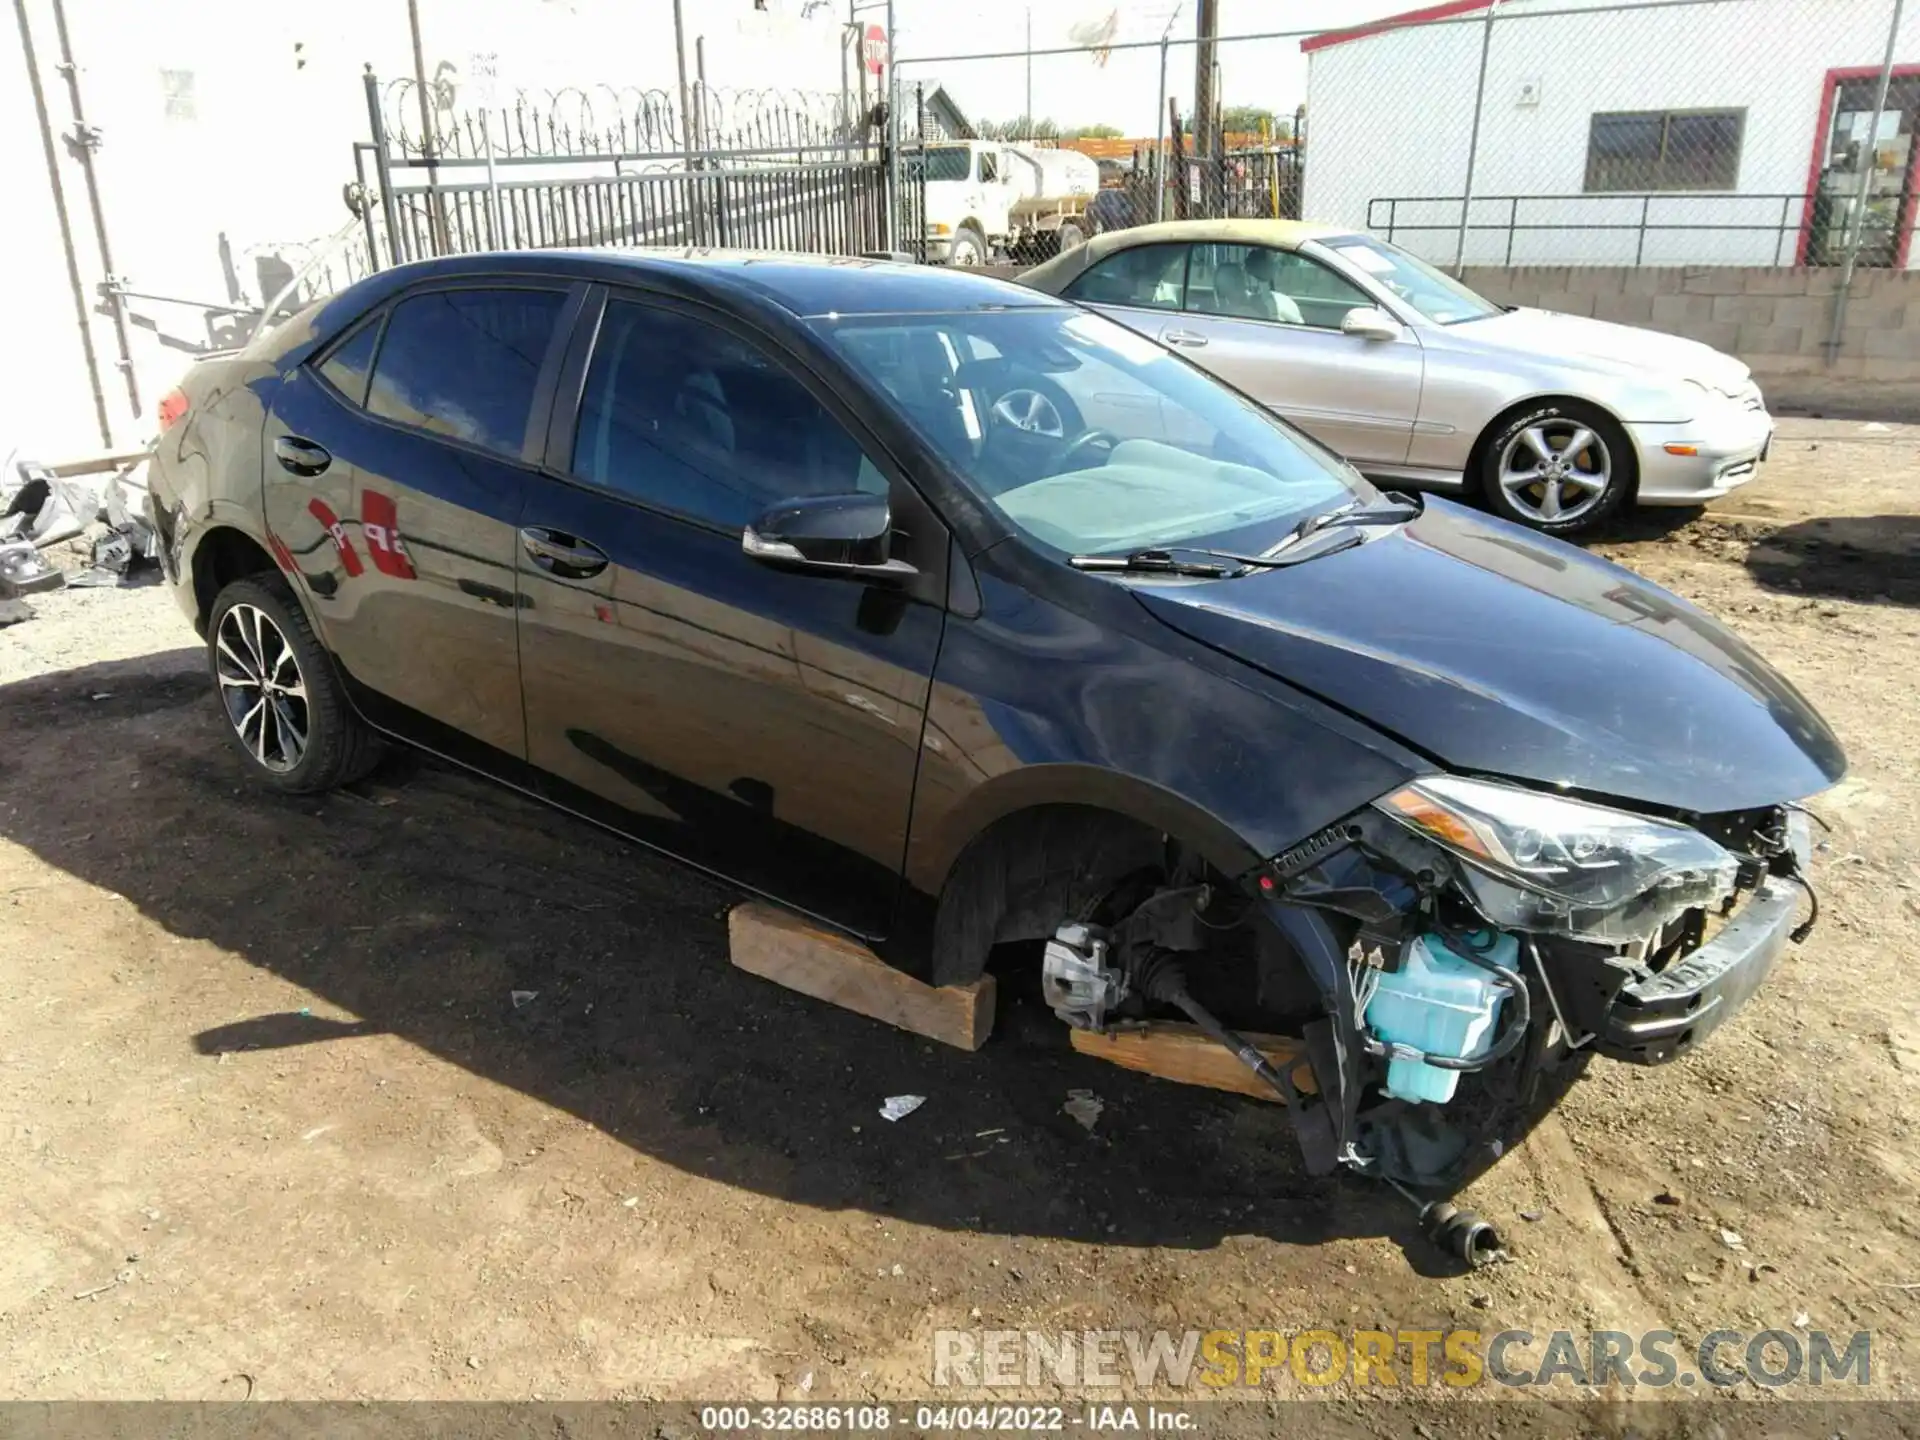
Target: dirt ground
(277,1126)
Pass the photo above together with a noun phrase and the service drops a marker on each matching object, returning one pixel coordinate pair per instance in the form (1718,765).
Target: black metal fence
(763,170)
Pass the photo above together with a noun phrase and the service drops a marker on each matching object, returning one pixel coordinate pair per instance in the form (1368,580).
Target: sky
(1072,89)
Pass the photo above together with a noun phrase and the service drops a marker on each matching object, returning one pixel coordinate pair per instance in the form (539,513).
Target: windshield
(949,162)
(1089,438)
(1436,295)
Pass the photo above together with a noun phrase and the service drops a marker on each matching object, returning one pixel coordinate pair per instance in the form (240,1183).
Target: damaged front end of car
(1470,942)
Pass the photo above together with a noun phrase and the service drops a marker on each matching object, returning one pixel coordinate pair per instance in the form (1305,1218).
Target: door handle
(300,457)
(1185,339)
(561,555)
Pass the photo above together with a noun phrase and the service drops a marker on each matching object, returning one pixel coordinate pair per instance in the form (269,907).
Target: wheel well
(1476,457)
(1025,872)
(222,557)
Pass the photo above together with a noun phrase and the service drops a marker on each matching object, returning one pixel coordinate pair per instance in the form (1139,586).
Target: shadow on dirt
(1863,557)
(422,899)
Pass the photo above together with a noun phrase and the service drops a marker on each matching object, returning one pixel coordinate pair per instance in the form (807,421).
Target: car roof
(1056,273)
(804,285)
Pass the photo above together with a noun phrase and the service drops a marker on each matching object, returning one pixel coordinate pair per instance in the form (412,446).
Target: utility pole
(1205,141)
(1029,74)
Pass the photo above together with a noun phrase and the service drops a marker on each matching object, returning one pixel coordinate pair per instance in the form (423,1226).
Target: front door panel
(762,723)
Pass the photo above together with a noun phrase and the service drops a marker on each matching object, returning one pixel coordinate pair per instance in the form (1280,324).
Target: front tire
(282,702)
(969,248)
(1562,468)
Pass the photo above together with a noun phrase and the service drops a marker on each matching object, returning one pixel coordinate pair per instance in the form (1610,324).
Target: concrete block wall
(1777,320)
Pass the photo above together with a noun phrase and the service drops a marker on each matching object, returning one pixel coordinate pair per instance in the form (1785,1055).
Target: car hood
(1501,652)
(1616,348)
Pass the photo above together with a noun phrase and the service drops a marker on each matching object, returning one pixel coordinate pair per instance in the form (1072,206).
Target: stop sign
(873,49)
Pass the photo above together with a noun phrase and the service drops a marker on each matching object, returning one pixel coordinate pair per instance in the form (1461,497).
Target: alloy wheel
(1555,471)
(261,686)
(1031,413)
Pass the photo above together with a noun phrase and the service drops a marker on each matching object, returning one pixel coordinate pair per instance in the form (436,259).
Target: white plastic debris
(898,1107)
(1084,1106)
(1732,1240)
(522,997)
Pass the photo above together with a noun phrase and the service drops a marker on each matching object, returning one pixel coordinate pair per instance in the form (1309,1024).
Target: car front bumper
(1660,1017)
(1728,446)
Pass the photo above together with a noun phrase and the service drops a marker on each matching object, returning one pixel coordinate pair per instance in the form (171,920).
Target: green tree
(1018,128)
(1093,132)
(1237,119)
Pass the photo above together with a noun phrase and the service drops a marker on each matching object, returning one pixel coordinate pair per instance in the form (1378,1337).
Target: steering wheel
(1082,441)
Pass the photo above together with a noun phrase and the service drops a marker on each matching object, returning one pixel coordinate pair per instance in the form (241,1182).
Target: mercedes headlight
(1544,862)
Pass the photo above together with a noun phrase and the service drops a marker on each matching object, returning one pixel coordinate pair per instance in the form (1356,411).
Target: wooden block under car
(1181,1053)
(787,950)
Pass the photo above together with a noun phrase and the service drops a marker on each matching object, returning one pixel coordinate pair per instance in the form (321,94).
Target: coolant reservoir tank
(1440,1004)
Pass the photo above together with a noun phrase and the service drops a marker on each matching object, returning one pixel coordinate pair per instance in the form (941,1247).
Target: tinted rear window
(464,363)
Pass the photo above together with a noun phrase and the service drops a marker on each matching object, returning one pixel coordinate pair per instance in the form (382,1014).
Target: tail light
(173,409)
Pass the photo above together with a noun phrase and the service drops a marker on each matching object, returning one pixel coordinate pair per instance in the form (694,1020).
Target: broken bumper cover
(1661,1017)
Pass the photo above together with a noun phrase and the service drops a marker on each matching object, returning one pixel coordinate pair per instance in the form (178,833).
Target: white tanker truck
(986,197)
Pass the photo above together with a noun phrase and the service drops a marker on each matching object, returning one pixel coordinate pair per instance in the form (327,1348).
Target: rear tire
(1561,467)
(279,696)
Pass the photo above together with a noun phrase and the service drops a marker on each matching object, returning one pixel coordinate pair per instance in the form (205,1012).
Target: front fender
(1099,704)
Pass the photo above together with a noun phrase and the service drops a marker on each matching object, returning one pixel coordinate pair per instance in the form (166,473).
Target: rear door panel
(405,545)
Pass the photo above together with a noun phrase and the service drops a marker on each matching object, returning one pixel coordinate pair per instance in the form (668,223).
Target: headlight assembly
(1543,862)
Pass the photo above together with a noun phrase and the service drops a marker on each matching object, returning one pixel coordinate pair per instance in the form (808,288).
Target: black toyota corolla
(952,615)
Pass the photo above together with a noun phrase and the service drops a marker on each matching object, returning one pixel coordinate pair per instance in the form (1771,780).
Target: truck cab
(988,196)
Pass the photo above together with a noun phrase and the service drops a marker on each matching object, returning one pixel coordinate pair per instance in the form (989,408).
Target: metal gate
(764,170)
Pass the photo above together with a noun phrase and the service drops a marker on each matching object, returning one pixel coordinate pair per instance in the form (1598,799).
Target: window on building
(685,416)
(464,363)
(1664,150)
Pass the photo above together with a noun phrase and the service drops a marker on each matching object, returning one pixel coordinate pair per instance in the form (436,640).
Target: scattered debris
(1732,1240)
(631,1201)
(898,1107)
(113,528)
(121,1278)
(1531,1215)
(1694,1277)
(1668,1197)
(24,571)
(1761,1267)
(522,997)
(1084,1106)
(473,1362)
(898,1269)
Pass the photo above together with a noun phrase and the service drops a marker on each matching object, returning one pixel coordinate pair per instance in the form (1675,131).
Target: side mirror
(1370,323)
(828,534)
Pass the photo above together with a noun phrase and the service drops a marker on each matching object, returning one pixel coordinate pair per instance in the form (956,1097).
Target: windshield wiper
(1395,508)
(1163,561)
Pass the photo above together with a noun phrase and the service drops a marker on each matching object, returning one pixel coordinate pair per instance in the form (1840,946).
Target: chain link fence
(1511,133)
(1652,132)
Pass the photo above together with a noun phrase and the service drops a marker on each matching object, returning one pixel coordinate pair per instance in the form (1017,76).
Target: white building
(226,132)
(1618,131)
